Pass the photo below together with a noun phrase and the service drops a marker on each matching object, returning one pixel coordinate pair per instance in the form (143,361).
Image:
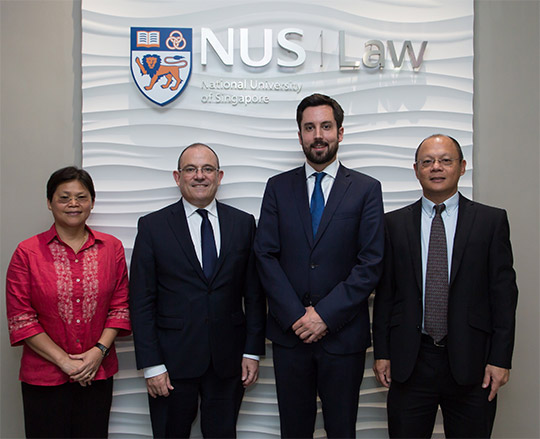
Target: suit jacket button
(313,265)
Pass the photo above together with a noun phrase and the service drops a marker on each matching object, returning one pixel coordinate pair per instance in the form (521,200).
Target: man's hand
(159,385)
(250,371)
(496,377)
(310,327)
(382,372)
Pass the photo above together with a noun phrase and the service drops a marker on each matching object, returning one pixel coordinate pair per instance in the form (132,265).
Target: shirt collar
(191,209)
(331,170)
(451,205)
(53,234)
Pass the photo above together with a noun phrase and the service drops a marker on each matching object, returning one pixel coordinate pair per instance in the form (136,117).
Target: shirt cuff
(152,371)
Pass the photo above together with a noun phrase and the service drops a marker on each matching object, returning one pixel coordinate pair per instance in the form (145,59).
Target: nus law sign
(162,58)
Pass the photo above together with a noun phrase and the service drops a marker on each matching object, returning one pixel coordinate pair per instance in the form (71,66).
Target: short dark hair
(196,145)
(454,141)
(70,173)
(316,100)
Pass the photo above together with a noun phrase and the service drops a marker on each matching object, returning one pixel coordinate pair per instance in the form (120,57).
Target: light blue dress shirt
(449,217)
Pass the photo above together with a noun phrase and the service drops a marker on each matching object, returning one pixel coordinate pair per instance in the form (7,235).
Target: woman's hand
(69,365)
(89,363)
(44,346)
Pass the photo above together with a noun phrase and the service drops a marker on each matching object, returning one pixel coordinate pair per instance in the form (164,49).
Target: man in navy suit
(197,309)
(319,249)
(444,314)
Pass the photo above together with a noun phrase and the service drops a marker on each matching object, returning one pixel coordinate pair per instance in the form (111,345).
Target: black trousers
(173,416)
(68,410)
(307,369)
(412,405)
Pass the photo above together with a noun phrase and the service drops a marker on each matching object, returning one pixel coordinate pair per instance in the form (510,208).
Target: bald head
(454,141)
(197,145)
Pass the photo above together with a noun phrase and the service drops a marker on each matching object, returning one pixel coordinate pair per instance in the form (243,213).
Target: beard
(320,157)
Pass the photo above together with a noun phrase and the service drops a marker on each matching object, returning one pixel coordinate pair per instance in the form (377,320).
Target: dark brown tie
(436,297)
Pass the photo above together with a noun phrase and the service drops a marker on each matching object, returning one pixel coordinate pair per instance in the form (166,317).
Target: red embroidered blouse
(70,296)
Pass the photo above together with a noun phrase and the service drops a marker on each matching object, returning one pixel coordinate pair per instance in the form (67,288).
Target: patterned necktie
(317,202)
(208,244)
(436,297)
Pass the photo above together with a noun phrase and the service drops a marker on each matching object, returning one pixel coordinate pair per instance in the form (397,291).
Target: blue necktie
(208,244)
(317,202)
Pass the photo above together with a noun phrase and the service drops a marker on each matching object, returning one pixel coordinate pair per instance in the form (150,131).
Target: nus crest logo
(161,61)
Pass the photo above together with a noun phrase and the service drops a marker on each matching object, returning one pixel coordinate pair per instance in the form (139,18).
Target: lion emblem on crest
(151,65)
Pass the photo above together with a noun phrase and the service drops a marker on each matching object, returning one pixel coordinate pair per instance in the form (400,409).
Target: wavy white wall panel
(130,145)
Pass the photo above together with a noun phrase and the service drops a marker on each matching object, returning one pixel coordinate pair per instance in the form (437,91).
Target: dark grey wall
(40,131)
(506,162)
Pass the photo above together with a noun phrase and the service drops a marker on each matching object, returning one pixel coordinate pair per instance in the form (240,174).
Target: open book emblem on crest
(161,61)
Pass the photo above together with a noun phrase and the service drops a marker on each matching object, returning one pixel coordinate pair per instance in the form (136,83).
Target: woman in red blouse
(67,300)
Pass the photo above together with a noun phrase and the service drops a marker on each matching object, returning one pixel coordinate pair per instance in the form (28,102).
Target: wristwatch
(104,349)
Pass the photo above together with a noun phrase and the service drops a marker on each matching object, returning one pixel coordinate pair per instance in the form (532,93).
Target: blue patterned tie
(317,202)
(208,244)
(436,297)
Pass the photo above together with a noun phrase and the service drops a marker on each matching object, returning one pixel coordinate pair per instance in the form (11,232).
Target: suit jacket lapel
(299,190)
(226,226)
(339,188)
(466,215)
(413,234)
(178,223)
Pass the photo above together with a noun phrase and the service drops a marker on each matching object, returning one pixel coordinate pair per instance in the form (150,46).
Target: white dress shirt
(326,183)
(194,221)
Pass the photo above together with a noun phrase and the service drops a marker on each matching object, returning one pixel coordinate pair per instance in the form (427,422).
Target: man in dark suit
(444,315)
(197,309)
(319,248)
